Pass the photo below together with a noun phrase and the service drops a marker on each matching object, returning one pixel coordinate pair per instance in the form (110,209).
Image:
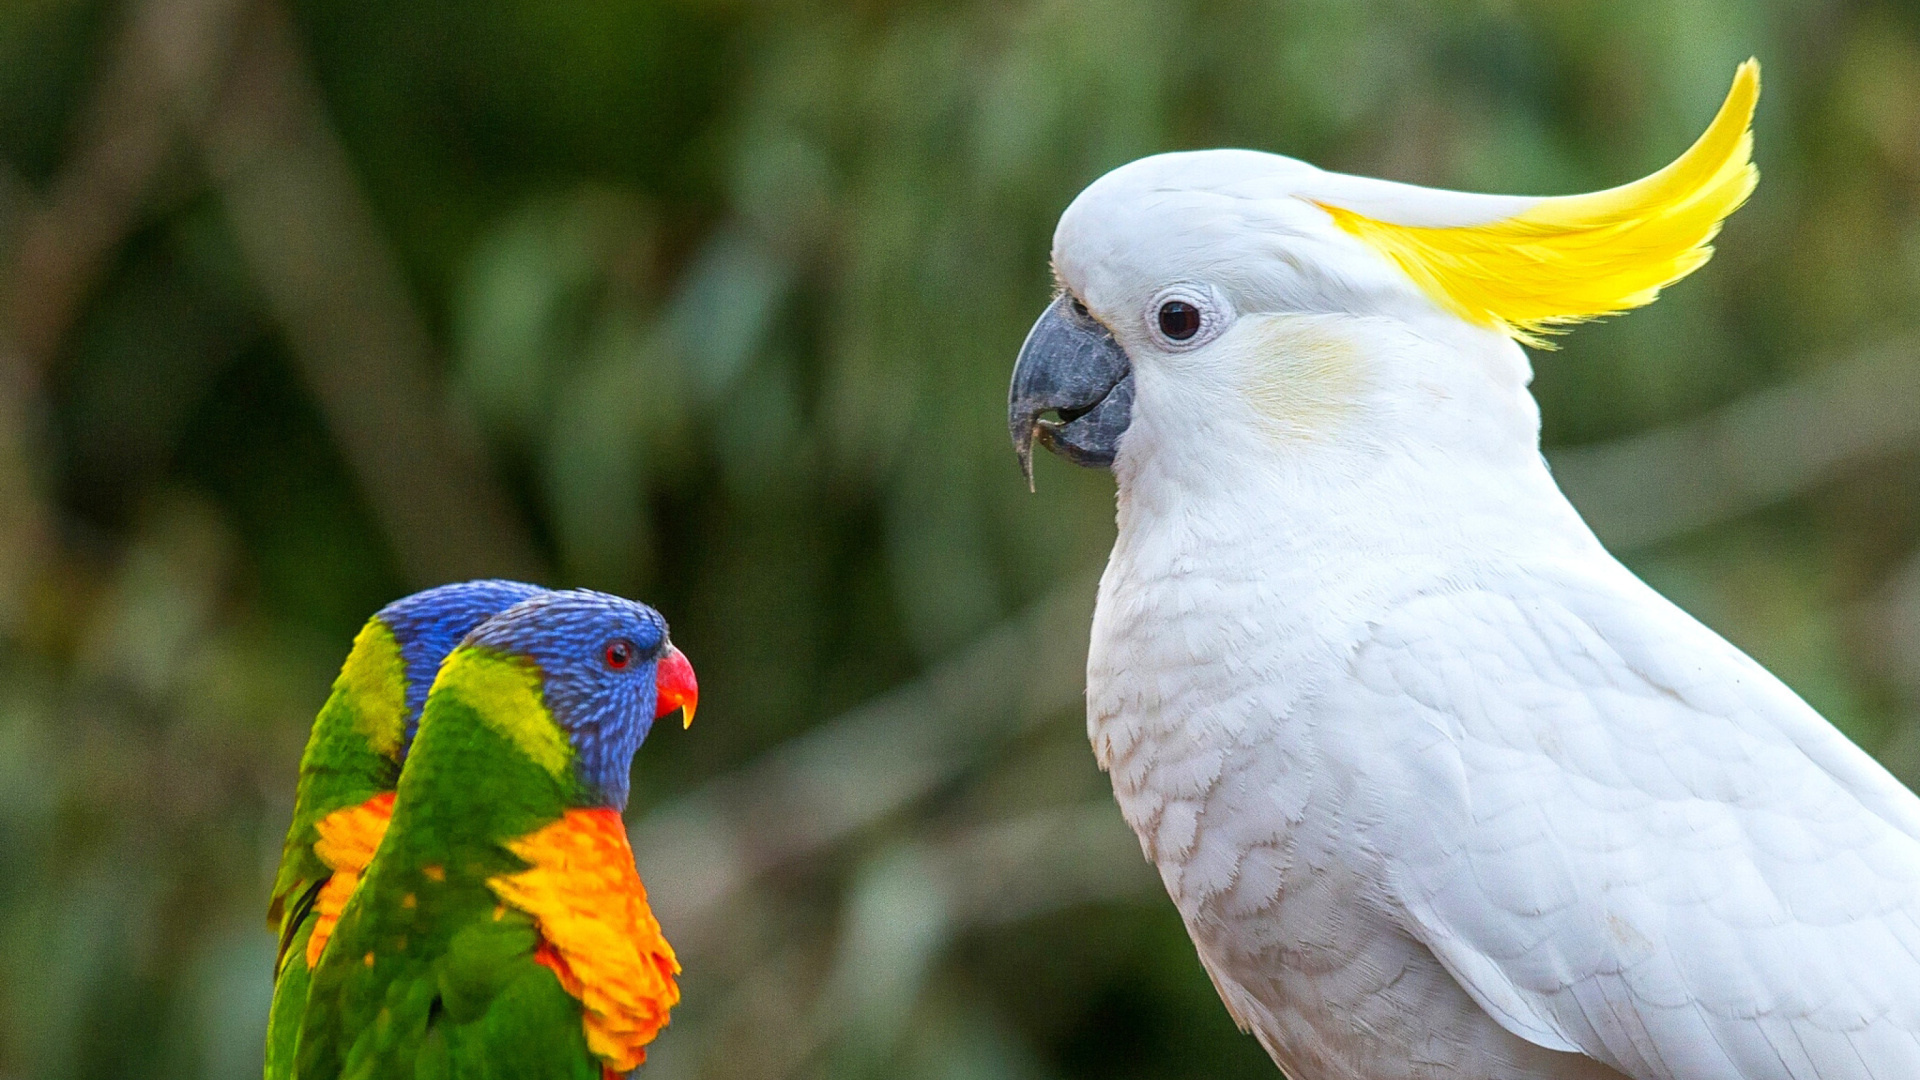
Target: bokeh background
(308,303)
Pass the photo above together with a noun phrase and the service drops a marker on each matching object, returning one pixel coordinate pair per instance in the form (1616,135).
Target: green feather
(353,754)
(427,974)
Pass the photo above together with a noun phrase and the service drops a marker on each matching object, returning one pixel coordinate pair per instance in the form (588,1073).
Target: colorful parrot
(501,929)
(1440,788)
(347,776)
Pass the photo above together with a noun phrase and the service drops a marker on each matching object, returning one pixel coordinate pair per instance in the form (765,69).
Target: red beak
(675,687)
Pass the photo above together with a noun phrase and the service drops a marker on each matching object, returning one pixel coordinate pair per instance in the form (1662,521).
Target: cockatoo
(1439,787)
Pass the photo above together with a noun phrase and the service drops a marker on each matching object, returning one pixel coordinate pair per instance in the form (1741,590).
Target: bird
(344,797)
(1438,786)
(501,928)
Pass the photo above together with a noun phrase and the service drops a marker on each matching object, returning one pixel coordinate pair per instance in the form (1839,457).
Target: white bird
(1439,787)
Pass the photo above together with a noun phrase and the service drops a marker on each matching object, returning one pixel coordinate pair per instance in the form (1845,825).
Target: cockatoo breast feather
(1498,804)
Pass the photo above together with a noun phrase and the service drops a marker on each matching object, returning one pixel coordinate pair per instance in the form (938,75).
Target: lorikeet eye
(620,654)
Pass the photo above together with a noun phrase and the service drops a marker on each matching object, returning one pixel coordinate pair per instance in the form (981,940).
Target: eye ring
(620,654)
(1187,316)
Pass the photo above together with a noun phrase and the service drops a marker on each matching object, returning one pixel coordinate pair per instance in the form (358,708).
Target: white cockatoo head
(1278,308)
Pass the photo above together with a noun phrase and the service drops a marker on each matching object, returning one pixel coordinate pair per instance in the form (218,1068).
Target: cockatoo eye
(1187,316)
(1179,320)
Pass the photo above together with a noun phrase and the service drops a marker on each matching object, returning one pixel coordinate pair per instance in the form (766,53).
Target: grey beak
(1070,364)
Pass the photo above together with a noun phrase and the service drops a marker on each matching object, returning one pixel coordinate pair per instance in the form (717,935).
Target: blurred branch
(24,527)
(158,82)
(335,288)
(821,787)
(914,901)
(1759,450)
(313,247)
(990,875)
(907,905)
(1014,870)
(1887,626)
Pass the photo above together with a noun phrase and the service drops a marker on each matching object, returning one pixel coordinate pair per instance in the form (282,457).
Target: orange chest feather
(598,933)
(348,838)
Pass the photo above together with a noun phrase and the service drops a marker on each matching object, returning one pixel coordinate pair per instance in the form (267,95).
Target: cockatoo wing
(1626,838)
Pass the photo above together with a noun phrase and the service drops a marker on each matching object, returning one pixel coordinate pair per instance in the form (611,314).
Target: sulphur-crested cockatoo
(1440,788)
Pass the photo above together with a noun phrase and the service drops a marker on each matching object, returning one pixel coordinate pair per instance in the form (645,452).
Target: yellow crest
(1572,258)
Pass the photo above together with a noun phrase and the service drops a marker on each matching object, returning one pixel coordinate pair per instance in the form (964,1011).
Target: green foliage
(723,297)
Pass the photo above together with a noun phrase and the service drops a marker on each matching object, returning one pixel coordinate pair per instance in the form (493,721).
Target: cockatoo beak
(1070,364)
(675,686)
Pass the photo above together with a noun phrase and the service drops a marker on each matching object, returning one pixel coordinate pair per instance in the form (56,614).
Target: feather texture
(1635,842)
(601,938)
(348,839)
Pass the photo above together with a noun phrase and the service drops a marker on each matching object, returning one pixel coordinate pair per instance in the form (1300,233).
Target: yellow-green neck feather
(505,692)
(375,680)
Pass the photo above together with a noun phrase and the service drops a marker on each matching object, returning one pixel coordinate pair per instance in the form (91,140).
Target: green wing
(478,1006)
(290,987)
(352,755)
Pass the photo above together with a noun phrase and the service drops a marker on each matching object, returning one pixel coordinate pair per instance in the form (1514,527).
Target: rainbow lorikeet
(347,776)
(501,930)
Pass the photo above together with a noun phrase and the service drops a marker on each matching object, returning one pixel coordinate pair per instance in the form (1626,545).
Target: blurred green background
(308,304)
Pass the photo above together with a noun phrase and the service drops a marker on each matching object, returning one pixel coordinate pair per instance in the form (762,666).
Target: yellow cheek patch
(1303,372)
(375,678)
(505,692)
(598,934)
(348,838)
(1569,259)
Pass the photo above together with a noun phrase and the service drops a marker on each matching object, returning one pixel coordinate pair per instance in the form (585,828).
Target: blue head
(607,672)
(428,624)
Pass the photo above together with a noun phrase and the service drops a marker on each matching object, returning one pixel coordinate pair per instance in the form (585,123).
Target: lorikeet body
(347,776)
(501,930)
